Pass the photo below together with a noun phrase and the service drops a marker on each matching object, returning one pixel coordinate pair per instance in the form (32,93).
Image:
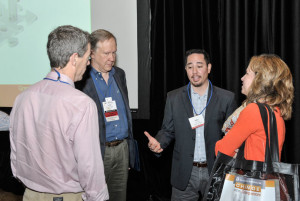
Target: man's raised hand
(153,144)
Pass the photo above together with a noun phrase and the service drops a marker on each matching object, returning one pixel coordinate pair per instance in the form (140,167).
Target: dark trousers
(195,188)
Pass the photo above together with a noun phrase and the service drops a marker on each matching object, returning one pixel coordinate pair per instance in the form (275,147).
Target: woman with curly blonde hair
(267,80)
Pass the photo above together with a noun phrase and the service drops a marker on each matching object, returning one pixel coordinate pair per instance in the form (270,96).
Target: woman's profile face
(247,80)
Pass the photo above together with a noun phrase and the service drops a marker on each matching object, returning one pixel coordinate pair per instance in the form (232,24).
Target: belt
(114,143)
(200,164)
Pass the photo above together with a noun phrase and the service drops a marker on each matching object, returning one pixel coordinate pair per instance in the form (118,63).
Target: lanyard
(58,78)
(191,99)
(98,87)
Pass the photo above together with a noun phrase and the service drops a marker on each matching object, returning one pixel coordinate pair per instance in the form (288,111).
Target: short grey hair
(65,41)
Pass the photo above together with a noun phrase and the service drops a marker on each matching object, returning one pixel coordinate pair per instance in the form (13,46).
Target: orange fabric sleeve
(249,127)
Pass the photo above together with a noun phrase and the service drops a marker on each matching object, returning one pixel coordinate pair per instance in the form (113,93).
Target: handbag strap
(274,138)
(272,150)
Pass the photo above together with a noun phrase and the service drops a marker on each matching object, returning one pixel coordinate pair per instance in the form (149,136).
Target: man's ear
(209,68)
(92,55)
(73,58)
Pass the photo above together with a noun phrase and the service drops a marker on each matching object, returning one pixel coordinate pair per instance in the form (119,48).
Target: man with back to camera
(194,115)
(54,128)
(106,85)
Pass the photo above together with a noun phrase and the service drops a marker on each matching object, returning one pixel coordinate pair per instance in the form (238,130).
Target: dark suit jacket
(87,86)
(176,126)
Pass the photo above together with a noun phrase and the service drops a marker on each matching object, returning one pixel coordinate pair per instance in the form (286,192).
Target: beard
(197,85)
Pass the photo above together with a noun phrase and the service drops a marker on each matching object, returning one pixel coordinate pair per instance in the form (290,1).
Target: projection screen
(25,25)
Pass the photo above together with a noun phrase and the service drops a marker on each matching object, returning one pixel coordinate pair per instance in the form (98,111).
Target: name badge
(196,121)
(110,110)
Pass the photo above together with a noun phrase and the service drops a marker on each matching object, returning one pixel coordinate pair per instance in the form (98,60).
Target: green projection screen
(24,28)
(25,25)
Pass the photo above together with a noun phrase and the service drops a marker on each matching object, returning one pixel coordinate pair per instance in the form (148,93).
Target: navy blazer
(87,86)
(176,126)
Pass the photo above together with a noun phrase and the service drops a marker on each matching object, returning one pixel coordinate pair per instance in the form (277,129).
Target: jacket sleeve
(231,106)
(167,132)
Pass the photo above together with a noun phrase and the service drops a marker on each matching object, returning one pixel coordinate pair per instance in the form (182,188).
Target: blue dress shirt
(115,130)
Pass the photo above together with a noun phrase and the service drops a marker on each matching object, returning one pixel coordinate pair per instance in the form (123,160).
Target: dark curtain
(231,31)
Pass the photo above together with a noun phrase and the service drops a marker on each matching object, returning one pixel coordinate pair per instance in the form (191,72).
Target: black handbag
(286,175)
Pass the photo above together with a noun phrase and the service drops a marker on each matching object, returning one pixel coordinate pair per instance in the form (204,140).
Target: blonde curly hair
(273,83)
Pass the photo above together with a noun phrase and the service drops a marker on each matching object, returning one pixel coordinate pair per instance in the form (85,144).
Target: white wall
(120,18)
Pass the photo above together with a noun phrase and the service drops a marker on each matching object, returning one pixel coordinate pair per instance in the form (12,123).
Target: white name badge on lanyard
(110,110)
(196,121)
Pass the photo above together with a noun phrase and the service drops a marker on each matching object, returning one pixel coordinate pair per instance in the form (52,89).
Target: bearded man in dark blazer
(194,115)
(106,85)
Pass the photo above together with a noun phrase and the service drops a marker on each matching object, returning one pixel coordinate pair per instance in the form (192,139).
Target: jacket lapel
(119,83)
(188,108)
(125,99)
(91,91)
(187,103)
(209,108)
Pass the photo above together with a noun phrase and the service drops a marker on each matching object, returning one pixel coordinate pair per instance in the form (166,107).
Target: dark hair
(197,51)
(100,35)
(65,41)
